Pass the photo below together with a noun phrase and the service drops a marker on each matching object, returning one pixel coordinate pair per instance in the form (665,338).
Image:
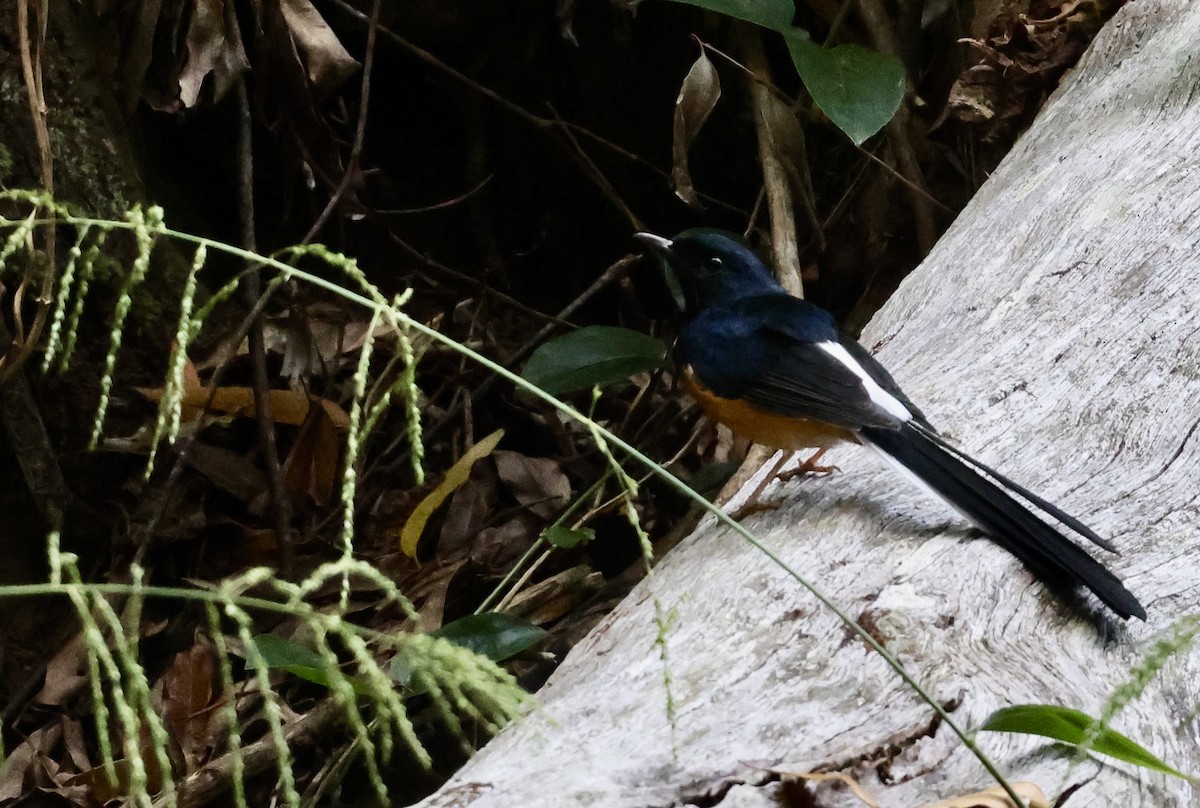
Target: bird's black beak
(661,247)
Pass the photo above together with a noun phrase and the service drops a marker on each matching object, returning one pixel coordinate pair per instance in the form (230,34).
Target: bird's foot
(809,466)
(755,503)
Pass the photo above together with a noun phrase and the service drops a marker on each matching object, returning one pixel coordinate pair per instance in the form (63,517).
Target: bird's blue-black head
(714,267)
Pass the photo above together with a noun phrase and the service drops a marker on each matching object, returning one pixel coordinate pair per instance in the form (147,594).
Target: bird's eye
(714,263)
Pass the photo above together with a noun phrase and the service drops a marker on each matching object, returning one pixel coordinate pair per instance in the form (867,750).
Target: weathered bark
(1052,332)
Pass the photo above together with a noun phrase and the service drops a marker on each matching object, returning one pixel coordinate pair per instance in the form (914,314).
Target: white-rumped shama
(777,370)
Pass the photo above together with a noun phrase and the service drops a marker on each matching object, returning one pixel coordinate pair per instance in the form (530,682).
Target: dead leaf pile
(1019,62)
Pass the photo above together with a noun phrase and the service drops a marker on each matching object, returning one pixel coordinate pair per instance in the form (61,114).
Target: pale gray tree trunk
(1054,333)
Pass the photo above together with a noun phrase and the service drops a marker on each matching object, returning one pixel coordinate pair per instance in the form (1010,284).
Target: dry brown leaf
(1016,62)
(18,766)
(356,335)
(191,377)
(698,95)
(139,50)
(840,777)
(497,547)
(287,406)
(258,547)
(538,483)
(176,47)
(973,96)
(313,467)
(187,702)
(227,470)
(995,797)
(99,787)
(470,508)
(327,63)
(431,593)
(75,743)
(315,346)
(182,512)
(786,138)
(214,48)
(52,778)
(65,674)
(312,337)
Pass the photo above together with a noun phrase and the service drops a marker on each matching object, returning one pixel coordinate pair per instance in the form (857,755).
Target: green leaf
(859,89)
(594,355)
(494,635)
(401,670)
(1072,726)
(774,14)
(291,656)
(565,538)
(298,660)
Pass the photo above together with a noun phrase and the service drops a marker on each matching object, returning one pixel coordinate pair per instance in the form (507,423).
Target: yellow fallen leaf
(410,534)
(996,797)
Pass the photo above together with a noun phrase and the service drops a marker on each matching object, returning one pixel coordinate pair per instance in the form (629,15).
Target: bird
(776,369)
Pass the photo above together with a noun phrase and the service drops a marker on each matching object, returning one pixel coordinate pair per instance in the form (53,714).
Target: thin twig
(912,186)
(592,170)
(516,110)
(205,785)
(614,272)
(353,166)
(31,69)
(899,134)
(843,13)
(750,74)
(785,249)
(463,277)
(251,291)
(214,384)
(436,206)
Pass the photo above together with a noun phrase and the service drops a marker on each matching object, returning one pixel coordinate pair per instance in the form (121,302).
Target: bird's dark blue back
(732,346)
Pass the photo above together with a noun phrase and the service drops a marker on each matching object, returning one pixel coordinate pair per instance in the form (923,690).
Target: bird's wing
(785,356)
(881,376)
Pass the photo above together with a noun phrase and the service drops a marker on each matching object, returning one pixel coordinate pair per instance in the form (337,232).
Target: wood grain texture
(1055,333)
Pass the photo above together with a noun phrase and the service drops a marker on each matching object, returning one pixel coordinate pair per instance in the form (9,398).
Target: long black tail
(956,478)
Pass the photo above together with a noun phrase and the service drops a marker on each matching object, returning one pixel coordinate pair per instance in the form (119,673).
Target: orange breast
(769,429)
